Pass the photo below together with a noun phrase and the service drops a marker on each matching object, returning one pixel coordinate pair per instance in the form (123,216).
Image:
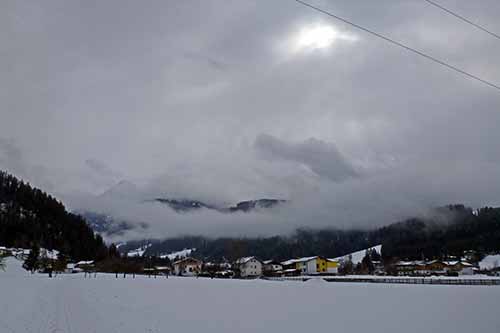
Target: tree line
(30,217)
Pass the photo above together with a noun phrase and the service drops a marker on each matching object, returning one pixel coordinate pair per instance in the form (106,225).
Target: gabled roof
(244,260)
(293,261)
(187,259)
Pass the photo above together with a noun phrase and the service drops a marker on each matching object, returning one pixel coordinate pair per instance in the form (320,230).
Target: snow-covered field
(70,303)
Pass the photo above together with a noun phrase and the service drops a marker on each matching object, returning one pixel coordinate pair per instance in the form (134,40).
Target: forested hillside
(452,231)
(29,216)
(466,231)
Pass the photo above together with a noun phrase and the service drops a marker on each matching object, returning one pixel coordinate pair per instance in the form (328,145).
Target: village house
(271,268)
(249,267)
(187,267)
(4,251)
(433,267)
(460,267)
(311,265)
(85,265)
(332,266)
(70,268)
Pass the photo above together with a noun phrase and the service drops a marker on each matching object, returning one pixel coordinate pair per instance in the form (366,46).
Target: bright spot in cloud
(320,36)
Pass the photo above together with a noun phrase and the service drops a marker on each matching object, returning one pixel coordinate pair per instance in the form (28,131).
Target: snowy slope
(358,256)
(178,254)
(139,252)
(13,268)
(71,303)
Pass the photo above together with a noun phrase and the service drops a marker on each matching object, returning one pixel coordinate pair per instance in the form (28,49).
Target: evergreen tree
(113,252)
(367,264)
(61,262)
(32,261)
(346,266)
(375,256)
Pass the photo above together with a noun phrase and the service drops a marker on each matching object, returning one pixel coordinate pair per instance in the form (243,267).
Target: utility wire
(435,4)
(408,48)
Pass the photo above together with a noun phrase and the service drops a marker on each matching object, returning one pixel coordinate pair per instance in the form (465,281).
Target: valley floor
(71,303)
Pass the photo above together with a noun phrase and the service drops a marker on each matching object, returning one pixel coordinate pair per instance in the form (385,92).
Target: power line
(408,48)
(435,4)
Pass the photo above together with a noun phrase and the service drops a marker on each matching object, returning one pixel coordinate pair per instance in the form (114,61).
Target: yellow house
(332,266)
(315,265)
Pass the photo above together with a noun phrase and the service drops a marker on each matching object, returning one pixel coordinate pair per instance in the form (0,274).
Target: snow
(179,254)
(293,261)
(358,256)
(490,262)
(244,260)
(139,252)
(72,303)
(19,252)
(48,253)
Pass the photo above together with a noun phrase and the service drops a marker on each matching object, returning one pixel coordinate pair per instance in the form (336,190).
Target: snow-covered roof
(422,263)
(406,263)
(162,268)
(186,259)
(293,261)
(244,260)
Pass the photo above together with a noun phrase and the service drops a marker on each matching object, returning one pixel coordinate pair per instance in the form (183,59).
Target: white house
(187,267)
(249,267)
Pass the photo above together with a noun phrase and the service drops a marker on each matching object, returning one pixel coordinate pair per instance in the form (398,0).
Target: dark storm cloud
(175,96)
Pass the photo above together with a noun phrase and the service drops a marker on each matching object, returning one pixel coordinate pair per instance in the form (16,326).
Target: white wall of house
(308,267)
(251,268)
(311,267)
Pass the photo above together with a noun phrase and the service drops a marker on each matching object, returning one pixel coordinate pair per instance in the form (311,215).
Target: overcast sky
(225,101)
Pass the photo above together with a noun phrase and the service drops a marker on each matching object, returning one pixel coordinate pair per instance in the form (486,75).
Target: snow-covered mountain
(126,193)
(187,205)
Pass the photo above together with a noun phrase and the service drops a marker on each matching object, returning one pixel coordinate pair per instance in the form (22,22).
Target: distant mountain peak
(187,205)
(184,205)
(248,205)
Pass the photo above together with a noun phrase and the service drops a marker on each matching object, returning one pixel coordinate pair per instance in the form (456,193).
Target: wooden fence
(395,280)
